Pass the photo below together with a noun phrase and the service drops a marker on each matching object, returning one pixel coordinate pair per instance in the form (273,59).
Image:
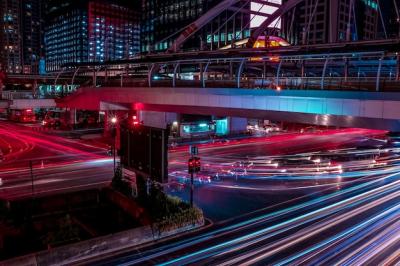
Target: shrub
(167,212)
(171,213)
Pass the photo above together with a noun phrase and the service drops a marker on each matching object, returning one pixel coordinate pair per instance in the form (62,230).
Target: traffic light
(197,164)
(191,166)
(194,165)
(135,120)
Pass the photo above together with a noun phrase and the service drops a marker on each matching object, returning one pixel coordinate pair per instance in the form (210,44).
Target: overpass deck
(334,108)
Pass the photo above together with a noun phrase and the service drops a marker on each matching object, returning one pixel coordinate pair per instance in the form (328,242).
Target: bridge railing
(385,84)
(11,95)
(325,69)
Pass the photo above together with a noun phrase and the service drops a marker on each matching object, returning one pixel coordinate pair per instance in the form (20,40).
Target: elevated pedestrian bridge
(320,107)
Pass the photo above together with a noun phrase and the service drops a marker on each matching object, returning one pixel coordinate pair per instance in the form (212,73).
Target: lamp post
(114,135)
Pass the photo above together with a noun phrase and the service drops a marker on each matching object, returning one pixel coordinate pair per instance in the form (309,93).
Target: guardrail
(11,95)
(20,95)
(283,83)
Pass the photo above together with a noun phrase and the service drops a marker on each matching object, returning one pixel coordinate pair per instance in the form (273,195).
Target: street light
(114,135)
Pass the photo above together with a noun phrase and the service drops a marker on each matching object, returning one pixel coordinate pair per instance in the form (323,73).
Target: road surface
(288,199)
(58,164)
(357,224)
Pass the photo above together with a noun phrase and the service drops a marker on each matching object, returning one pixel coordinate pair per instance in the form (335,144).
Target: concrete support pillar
(237,125)
(157,119)
(72,118)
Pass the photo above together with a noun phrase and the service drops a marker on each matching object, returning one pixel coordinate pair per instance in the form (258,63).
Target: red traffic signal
(135,120)
(194,165)
(191,165)
(197,164)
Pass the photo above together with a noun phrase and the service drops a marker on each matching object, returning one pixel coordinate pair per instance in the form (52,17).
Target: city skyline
(200,132)
(30,28)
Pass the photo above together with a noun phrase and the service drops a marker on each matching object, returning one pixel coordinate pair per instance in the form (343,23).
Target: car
(272,128)
(292,162)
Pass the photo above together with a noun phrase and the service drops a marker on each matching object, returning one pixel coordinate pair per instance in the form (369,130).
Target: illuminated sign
(267,8)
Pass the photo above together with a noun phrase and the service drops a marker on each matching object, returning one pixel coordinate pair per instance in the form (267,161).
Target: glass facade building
(10,36)
(391,18)
(66,38)
(21,35)
(326,21)
(114,32)
(90,31)
(163,20)
(32,35)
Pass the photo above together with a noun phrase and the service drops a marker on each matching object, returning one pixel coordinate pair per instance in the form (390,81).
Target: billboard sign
(144,150)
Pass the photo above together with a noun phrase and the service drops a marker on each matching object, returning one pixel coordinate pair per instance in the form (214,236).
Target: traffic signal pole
(193,167)
(191,186)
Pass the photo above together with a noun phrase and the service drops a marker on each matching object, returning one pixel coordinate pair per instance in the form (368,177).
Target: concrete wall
(85,250)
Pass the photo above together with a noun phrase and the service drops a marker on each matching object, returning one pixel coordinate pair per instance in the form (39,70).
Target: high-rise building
(32,35)
(66,36)
(10,36)
(21,35)
(90,31)
(326,21)
(389,27)
(162,21)
(229,27)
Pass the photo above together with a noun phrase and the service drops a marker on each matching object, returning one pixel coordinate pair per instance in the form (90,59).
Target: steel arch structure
(279,12)
(200,23)
(217,10)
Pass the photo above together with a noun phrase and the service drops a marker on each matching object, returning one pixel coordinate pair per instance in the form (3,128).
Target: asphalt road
(320,213)
(266,210)
(58,164)
(357,224)
(234,194)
